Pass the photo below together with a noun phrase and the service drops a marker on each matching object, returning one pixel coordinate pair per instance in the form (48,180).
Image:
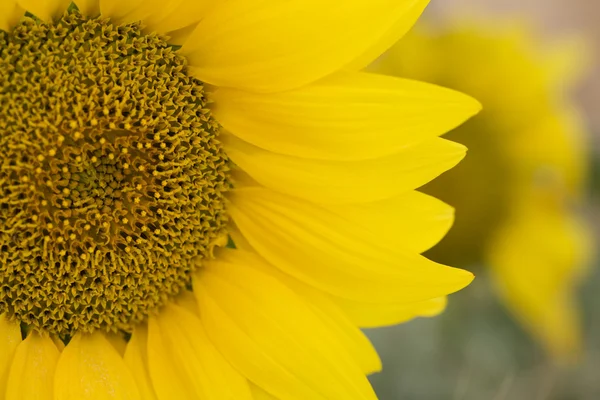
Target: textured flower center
(112,177)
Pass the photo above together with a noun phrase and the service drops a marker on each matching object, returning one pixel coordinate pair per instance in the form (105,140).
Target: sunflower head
(116,190)
(113,177)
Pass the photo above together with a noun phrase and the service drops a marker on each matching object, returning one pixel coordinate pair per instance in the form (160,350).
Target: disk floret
(112,176)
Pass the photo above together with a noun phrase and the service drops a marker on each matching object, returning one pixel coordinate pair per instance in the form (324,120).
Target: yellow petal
(273,337)
(374,315)
(275,45)
(349,336)
(150,12)
(259,394)
(89,368)
(45,10)
(60,345)
(117,8)
(32,370)
(10,13)
(160,16)
(185,365)
(90,8)
(346,182)
(136,359)
(392,36)
(118,342)
(349,116)
(186,13)
(347,333)
(187,300)
(239,240)
(328,251)
(180,36)
(10,337)
(410,221)
(362,314)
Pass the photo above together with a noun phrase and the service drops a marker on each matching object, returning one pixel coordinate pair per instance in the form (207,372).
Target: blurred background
(476,350)
(554,19)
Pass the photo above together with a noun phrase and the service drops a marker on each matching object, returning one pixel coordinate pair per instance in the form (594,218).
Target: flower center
(112,176)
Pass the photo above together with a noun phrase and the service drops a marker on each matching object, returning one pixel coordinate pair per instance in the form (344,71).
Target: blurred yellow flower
(517,193)
(138,138)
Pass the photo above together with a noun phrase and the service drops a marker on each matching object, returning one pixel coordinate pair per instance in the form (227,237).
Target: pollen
(113,180)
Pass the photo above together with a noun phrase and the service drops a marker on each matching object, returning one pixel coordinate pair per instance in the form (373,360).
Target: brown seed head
(112,179)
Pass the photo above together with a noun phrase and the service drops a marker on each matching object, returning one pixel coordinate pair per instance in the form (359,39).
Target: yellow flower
(517,191)
(128,163)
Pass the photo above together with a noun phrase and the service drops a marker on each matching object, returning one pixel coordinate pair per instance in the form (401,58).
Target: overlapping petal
(349,116)
(374,315)
(136,359)
(359,313)
(183,363)
(344,182)
(118,342)
(328,251)
(273,45)
(45,10)
(348,335)
(271,335)
(10,12)
(117,9)
(259,394)
(411,221)
(160,16)
(89,368)
(10,337)
(32,370)
(396,32)
(90,8)
(186,13)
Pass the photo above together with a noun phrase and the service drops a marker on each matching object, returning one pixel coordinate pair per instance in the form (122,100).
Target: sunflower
(519,192)
(197,197)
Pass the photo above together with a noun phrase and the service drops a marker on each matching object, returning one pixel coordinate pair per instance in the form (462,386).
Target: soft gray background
(555,19)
